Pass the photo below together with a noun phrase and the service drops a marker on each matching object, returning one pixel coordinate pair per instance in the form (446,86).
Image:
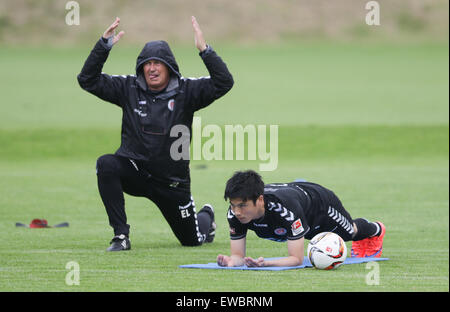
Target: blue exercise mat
(306,264)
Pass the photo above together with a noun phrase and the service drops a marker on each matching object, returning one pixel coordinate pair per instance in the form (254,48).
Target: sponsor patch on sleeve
(297,227)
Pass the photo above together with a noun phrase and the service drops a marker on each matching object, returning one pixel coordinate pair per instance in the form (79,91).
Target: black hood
(157,50)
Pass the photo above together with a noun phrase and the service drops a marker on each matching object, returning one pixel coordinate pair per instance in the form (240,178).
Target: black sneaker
(212,230)
(119,243)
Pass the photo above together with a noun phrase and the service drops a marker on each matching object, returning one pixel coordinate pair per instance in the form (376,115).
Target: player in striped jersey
(291,212)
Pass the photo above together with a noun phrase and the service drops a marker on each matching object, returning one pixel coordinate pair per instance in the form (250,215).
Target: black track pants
(116,175)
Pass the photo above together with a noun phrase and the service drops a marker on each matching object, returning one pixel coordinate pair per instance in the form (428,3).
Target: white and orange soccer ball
(327,251)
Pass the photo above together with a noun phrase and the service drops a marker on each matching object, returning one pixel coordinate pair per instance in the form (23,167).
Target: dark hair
(244,185)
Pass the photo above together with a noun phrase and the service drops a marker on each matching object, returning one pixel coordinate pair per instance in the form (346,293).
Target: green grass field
(370,122)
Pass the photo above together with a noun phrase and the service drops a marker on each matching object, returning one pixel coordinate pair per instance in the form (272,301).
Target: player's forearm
(288,261)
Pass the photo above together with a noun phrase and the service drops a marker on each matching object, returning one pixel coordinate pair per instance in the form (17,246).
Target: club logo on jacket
(280,231)
(171,104)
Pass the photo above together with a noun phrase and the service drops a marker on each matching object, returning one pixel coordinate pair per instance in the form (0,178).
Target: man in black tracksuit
(153,101)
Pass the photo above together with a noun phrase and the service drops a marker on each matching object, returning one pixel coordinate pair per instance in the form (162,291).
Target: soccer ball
(327,251)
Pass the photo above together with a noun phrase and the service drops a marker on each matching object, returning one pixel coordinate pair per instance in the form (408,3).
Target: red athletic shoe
(374,245)
(359,248)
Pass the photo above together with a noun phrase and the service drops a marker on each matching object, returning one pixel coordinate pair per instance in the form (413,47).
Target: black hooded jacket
(148,117)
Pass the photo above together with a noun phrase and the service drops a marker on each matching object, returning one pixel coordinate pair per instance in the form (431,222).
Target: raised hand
(198,35)
(111,31)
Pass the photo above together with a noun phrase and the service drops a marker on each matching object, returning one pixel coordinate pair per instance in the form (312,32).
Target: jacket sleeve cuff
(107,43)
(207,51)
